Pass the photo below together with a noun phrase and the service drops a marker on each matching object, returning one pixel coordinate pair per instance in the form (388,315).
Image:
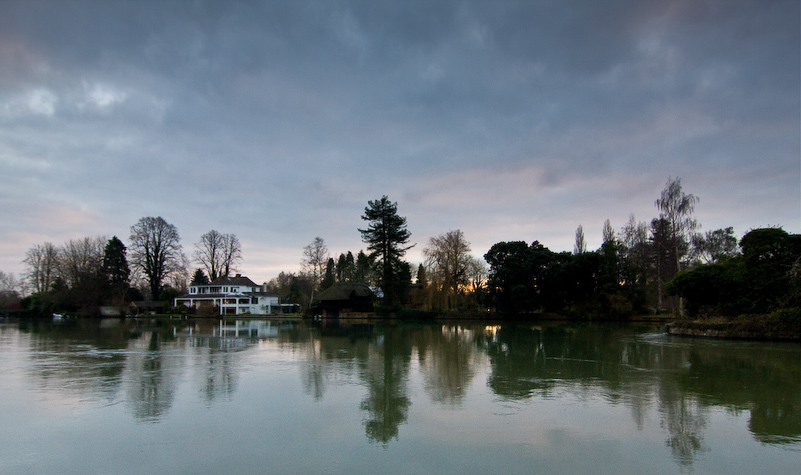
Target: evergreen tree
(386,238)
(350,267)
(363,269)
(115,263)
(341,269)
(421,276)
(199,278)
(329,277)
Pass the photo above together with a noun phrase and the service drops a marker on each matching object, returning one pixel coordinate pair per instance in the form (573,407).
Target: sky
(278,121)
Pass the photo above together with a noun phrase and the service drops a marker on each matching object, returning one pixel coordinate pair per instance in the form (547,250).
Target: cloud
(278,121)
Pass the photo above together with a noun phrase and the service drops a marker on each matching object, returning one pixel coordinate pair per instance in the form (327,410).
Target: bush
(787,315)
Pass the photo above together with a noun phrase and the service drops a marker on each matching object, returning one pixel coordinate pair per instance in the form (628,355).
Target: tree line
(84,274)
(661,266)
(643,268)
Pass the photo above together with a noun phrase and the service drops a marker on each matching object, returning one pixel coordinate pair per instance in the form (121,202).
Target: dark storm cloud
(509,120)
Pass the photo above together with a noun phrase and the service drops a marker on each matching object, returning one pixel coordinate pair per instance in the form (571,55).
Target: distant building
(233,296)
(344,297)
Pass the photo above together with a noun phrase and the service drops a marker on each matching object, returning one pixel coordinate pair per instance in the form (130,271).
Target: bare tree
(80,267)
(477,273)
(636,252)
(41,260)
(232,254)
(447,258)
(714,246)
(80,261)
(608,233)
(315,258)
(9,290)
(218,253)
(156,250)
(208,253)
(580,247)
(676,209)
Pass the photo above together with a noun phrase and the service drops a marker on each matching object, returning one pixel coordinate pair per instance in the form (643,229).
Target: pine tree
(199,278)
(329,277)
(386,238)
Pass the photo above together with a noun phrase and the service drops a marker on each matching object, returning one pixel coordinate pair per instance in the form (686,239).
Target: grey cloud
(282,119)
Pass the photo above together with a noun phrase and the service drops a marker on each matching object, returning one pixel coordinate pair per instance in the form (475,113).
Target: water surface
(272,396)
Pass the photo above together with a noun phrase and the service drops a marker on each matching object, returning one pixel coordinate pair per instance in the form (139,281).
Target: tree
(581,245)
(218,253)
(42,261)
(364,269)
(116,271)
(80,266)
(676,208)
(635,251)
(608,232)
(329,277)
(80,261)
(315,258)
(511,283)
(477,271)
(447,258)
(422,279)
(386,237)
(345,267)
(714,246)
(115,263)
(199,278)
(232,254)
(770,254)
(156,250)
(9,291)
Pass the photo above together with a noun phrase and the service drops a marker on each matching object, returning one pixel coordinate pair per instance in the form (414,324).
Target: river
(289,396)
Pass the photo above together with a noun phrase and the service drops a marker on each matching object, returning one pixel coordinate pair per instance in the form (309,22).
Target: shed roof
(344,291)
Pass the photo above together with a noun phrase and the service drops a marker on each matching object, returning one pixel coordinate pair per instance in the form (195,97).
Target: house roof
(344,291)
(236,280)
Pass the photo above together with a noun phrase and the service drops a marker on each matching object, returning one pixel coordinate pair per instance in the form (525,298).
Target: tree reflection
(385,372)
(149,388)
(220,375)
(447,359)
(685,420)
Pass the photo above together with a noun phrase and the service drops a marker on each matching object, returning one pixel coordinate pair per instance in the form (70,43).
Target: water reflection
(145,363)
(448,358)
(385,375)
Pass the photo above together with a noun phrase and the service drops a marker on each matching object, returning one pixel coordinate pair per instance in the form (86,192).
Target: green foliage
(788,315)
(329,277)
(759,281)
(386,237)
(714,246)
(115,263)
(519,276)
(710,289)
(199,278)
(421,276)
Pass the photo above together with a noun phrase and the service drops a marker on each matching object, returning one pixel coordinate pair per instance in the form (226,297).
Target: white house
(233,296)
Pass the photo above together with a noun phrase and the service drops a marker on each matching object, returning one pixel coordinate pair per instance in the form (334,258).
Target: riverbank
(779,326)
